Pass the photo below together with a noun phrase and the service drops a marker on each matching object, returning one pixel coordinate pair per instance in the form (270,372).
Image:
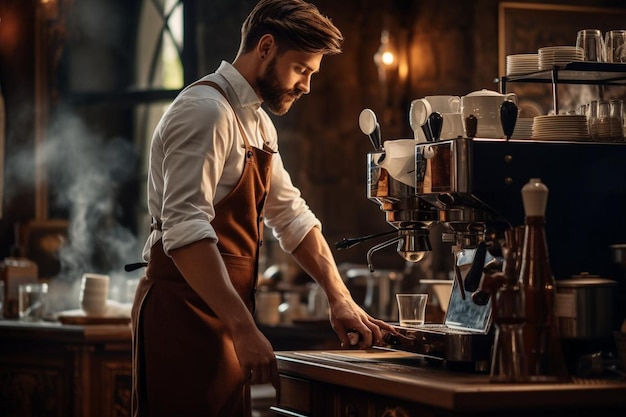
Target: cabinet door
(349,402)
(31,387)
(111,397)
(389,407)
(294,397)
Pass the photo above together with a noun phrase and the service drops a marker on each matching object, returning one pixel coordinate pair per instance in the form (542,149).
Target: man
(215,177)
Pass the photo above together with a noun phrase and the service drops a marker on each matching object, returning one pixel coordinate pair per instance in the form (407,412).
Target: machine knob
(508,117)
(471,126)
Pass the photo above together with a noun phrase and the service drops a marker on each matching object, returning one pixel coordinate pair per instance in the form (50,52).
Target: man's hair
(295,24)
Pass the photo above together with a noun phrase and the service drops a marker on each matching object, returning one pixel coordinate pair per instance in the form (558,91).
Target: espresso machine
(471,186)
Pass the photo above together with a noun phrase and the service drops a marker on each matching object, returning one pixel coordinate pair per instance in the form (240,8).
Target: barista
(213,157)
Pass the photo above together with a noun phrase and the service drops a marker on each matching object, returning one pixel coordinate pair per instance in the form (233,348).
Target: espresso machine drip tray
(464,337)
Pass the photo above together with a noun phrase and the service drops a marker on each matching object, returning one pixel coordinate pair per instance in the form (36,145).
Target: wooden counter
(52,369)
(69,370)
(354,383)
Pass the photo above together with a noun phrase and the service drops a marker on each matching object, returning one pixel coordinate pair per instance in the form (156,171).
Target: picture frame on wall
(523,28)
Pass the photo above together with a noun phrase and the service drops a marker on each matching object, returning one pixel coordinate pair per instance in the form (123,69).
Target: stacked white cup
(94,291)
(450,109)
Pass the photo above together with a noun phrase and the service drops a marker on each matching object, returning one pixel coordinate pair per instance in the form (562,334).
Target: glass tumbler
(615,43)
(592,120)
(32,301)
(509,359)
(603,122)
(592,43)
(616,120)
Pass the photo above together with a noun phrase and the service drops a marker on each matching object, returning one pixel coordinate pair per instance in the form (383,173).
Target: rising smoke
(86,174)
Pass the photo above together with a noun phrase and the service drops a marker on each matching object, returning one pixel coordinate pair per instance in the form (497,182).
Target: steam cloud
(85,173)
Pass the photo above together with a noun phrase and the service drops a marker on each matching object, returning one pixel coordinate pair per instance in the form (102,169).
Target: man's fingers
(353,337)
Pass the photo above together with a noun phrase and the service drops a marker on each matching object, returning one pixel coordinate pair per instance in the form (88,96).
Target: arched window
(121,64)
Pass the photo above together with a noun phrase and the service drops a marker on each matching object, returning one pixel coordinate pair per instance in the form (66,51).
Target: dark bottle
(542,342)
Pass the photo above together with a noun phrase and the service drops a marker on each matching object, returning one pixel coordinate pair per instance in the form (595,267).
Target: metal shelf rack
(591,73)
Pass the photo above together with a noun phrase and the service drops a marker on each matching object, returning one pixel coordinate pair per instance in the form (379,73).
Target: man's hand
(256,357)
(355,327)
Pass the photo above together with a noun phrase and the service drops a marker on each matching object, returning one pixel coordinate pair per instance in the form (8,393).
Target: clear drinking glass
(411,309)
(616,121)
(592,120)
(509,360)
(599,120)
(32,301)
(592,42)
(603,123)
(615,43)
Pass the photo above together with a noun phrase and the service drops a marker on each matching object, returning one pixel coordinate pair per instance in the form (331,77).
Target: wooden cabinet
(306,398)
(60,370)
(49,369)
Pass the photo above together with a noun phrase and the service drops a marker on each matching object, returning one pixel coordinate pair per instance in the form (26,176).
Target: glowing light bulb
(387,58)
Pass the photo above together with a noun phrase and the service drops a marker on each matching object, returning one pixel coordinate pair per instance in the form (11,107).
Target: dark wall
(17,42)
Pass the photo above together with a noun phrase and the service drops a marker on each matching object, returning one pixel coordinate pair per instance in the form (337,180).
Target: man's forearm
(315,257)
(202,266)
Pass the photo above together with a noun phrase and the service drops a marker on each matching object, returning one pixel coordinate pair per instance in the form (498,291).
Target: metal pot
(585,307)
(619,253)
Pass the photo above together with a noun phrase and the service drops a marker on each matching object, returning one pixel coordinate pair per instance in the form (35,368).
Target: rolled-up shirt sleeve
(287,213)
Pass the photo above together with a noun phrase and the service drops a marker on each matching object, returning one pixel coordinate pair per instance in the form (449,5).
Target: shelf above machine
(577,73)
(590,73)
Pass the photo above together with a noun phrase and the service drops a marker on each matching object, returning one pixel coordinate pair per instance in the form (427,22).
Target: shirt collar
(243,90)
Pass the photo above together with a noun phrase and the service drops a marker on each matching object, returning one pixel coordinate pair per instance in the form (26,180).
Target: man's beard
(277,98)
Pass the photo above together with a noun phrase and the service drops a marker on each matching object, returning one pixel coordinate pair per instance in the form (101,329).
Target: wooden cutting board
(79,317)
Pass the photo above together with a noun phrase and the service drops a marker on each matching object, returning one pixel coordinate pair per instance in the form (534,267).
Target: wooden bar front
(50,369)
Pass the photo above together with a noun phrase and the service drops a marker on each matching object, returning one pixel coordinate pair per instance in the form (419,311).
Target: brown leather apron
(184,362)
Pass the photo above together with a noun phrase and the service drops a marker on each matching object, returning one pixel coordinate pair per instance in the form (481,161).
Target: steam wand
(374,248)
(347,243)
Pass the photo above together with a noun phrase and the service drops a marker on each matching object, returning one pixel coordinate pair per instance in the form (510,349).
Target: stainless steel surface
(585,307)
(407,213)
(619,253)
(444,343)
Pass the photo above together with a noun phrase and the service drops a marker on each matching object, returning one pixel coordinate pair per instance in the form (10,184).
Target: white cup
(453,126)
(94,291)
(267,303)
(445,104)
(411,309)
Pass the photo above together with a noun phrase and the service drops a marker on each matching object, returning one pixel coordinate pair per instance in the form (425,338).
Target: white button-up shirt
(197,157)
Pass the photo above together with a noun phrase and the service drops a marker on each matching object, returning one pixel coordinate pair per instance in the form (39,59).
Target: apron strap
(221,91)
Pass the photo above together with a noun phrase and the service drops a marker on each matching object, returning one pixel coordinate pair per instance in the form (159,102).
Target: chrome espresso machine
(471,186)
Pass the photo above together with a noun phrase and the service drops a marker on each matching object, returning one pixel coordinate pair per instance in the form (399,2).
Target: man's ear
(265,45)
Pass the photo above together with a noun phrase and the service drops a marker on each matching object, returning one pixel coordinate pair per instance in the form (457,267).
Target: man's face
(286,78)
